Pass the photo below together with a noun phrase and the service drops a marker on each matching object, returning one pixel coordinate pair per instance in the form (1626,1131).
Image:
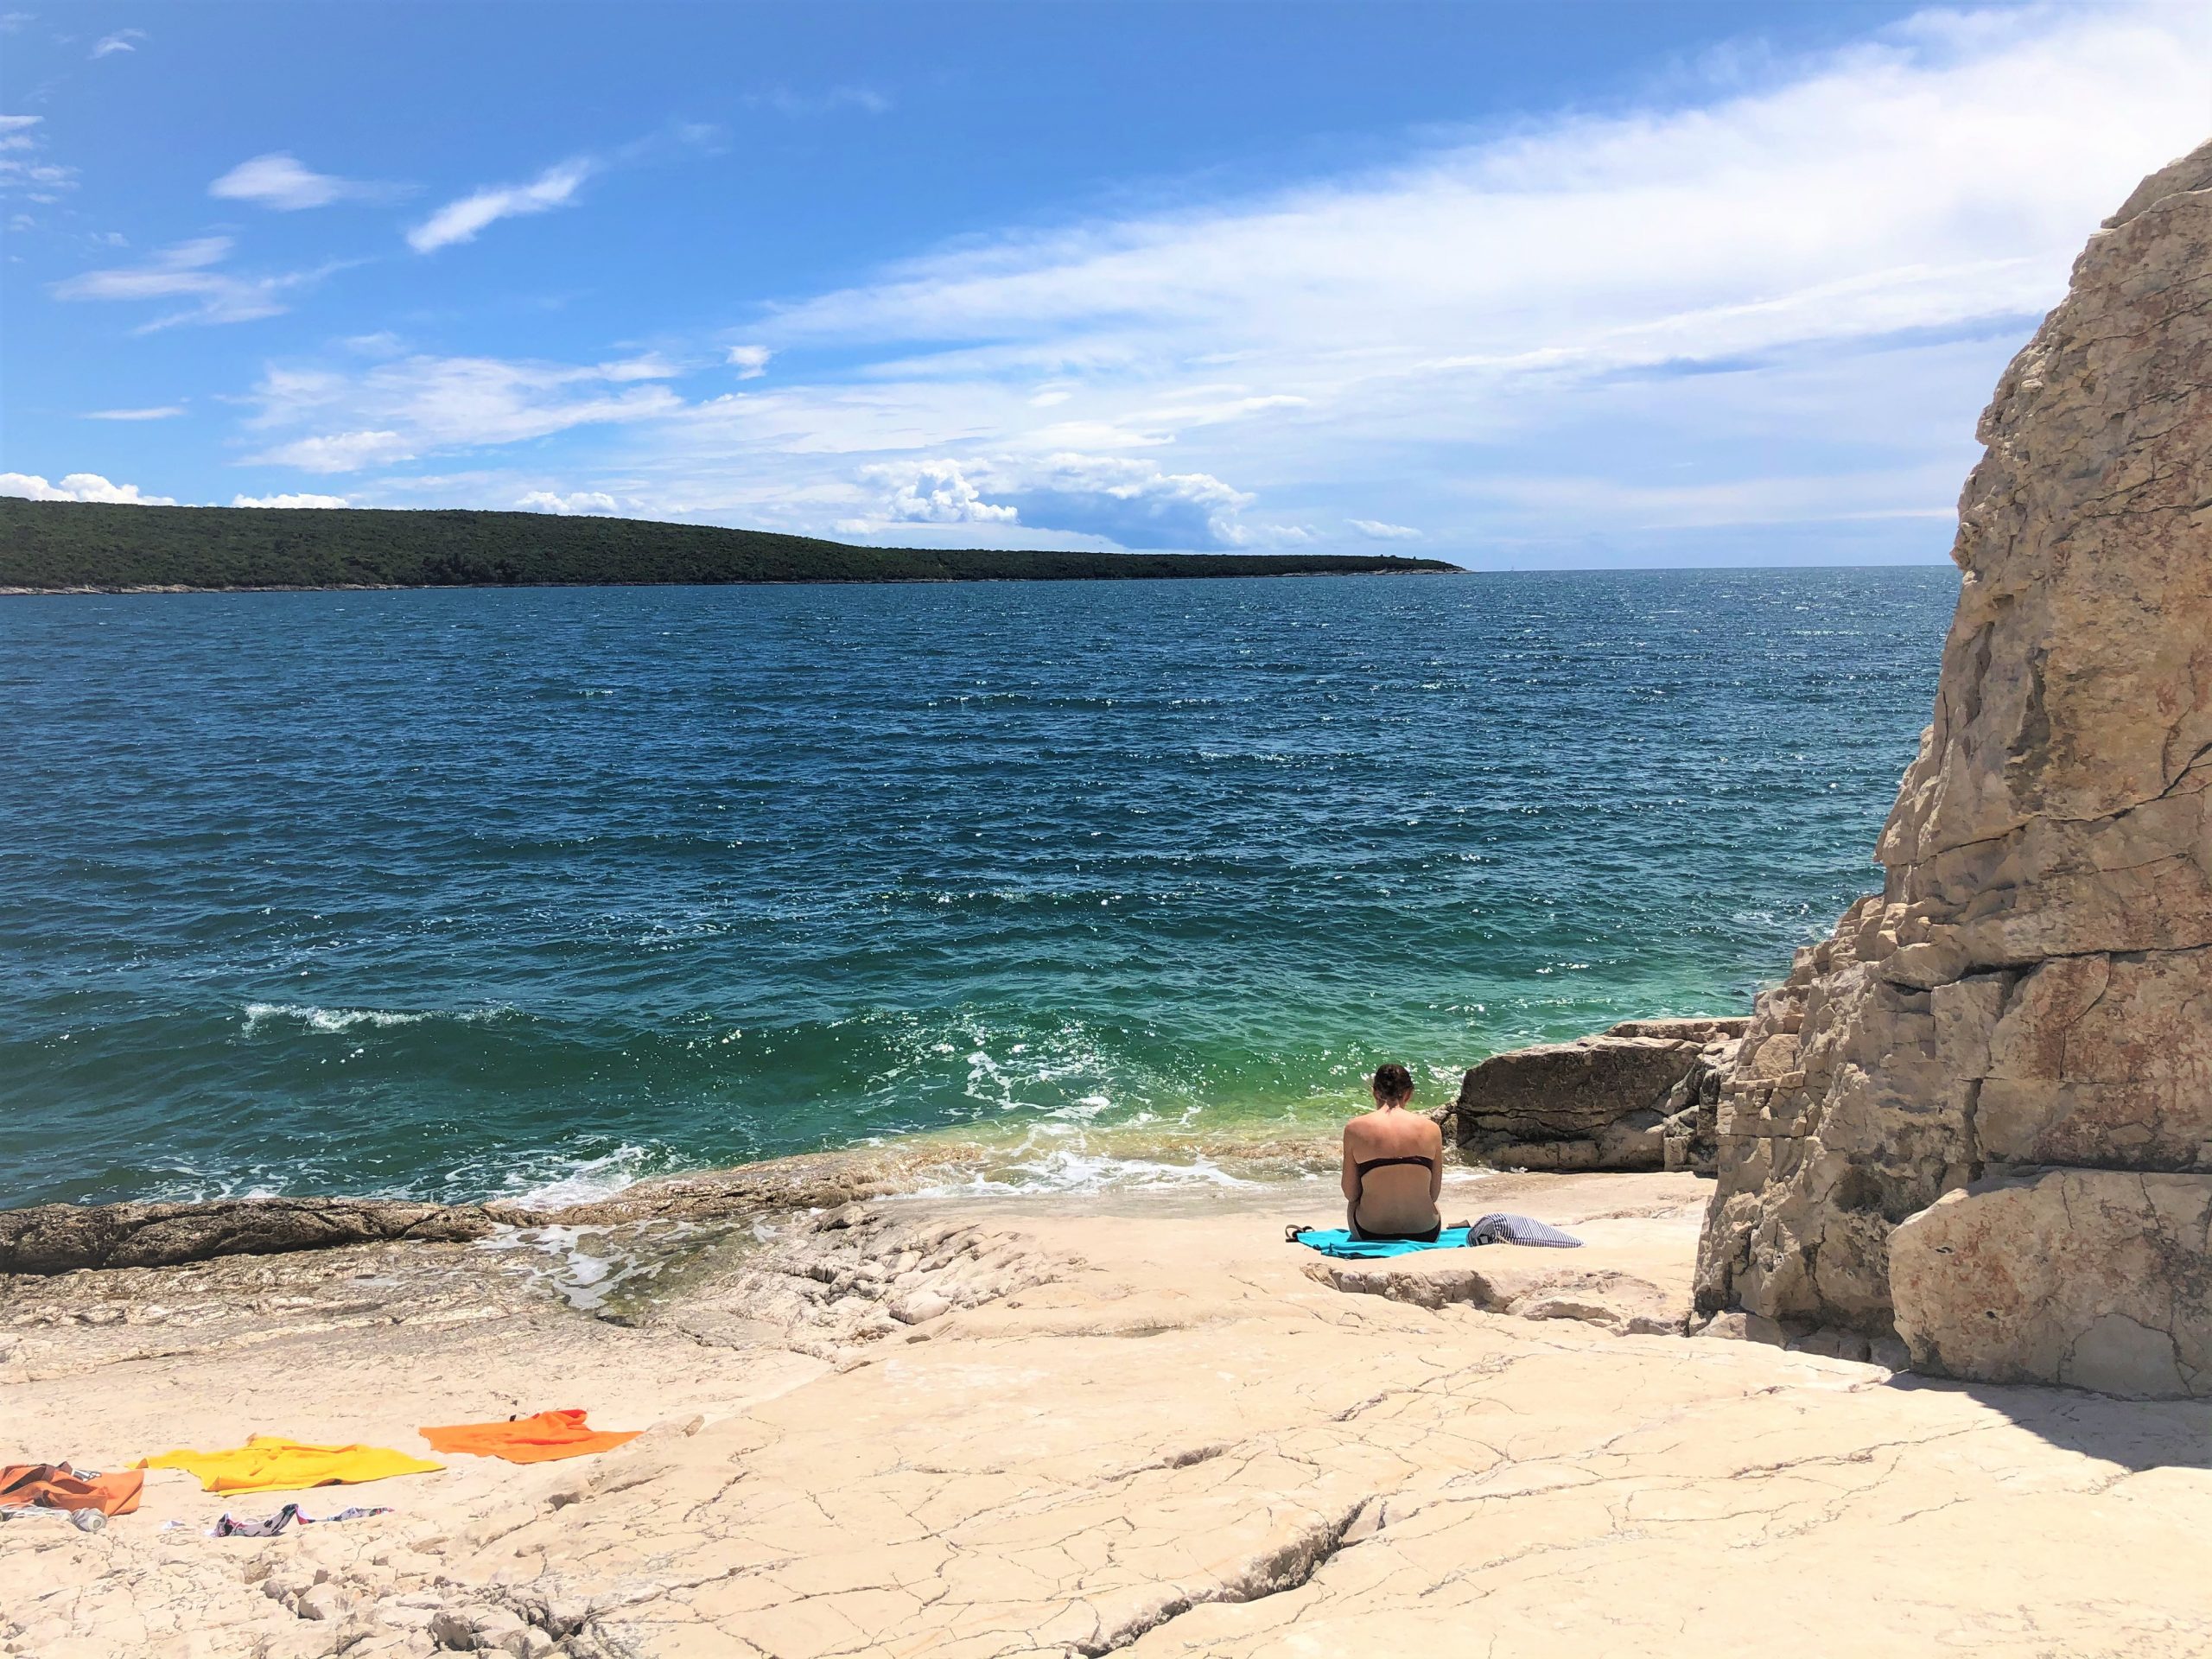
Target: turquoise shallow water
(469,893)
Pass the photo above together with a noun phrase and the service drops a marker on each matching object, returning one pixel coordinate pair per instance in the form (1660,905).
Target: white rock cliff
(1979,1116)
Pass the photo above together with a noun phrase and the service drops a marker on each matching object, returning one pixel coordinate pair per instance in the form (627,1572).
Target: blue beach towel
(1500,1228)
(1335,1241)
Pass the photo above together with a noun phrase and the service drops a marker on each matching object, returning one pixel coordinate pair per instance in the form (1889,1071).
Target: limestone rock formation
(2093,1277)
(65,1238)
(2034,984)
(1626,1100)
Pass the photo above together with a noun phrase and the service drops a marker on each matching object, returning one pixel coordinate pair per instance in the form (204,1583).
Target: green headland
(66,546)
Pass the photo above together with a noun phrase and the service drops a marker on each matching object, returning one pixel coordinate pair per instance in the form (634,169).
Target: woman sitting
(1393,1166)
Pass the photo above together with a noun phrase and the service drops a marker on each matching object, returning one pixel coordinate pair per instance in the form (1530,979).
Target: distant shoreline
(90,592)
(75,547)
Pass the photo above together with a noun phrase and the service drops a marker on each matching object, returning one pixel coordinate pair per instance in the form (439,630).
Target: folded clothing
(230,1527)
(1502,1229)
(57,1486)
(270,1462)
(543,1438)
(1335,1241)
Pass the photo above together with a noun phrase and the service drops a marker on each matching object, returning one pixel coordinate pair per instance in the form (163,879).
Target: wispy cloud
(461,220)
(421,405)
(124,40)
(278,181)
(188,270)
(20,174)
(78,486)
(162,412)
(1376,530)
(751,362)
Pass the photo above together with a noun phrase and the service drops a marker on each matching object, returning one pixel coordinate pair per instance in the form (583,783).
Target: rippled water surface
(466,893)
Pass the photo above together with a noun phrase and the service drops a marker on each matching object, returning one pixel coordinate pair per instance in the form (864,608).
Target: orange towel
(542,1439)
(270,1463)
(57,1486)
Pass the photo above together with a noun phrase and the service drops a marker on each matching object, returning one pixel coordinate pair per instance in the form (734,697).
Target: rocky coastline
(1962,1154)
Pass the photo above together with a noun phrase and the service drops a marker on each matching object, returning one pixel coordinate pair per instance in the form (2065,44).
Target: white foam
(583,1279)
(1078,1169)
(337,1020)
(590,1181)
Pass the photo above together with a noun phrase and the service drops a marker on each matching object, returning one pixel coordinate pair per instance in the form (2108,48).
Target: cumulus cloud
(188,270)
(302,501)
(751,362)
(1376,530)
(1110,500)
(162,412)
(461,220)
(418,405)
(124,40)
(931,492)
(583,501)
(79,486)
(278,181)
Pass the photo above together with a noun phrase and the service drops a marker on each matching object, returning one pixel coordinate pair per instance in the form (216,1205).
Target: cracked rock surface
(2033,986)
(1137,1424)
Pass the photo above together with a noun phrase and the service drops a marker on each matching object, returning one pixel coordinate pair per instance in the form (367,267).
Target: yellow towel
(270,1462)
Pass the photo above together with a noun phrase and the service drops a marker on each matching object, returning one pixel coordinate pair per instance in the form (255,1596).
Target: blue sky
(1515,285)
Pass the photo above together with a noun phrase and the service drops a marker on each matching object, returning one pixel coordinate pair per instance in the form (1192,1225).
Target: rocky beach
(1891,1330)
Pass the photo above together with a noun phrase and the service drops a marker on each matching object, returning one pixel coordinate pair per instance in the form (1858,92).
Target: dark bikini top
(1359,1171)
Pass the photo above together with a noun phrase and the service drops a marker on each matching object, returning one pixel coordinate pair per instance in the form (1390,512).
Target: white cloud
(751,362)
(78,486)
(162,412)
(278,181)
(418,405)
(124,40)
(1375,529)
(188,271)
(290,501)
(338,452)
(1109,500)
(460,221)
(581,501)
(929,492)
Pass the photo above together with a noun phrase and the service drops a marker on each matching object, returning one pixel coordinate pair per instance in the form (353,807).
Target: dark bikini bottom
(1427,1237)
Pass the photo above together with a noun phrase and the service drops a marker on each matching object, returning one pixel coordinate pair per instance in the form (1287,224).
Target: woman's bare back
(1392,1198)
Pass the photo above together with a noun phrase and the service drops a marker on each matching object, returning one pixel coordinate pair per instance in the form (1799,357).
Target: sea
(535,894)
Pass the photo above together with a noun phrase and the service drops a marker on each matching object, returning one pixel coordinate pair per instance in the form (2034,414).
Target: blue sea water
(470,892)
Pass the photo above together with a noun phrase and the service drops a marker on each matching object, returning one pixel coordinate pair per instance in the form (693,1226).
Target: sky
(1515,285)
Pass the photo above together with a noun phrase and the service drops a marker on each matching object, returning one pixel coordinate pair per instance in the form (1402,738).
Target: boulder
(2032,984)
(65,1238)
(1612,1102)
(2102,1278)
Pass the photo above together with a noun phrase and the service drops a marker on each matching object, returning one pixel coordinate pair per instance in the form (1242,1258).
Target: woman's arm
(1351,1182)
